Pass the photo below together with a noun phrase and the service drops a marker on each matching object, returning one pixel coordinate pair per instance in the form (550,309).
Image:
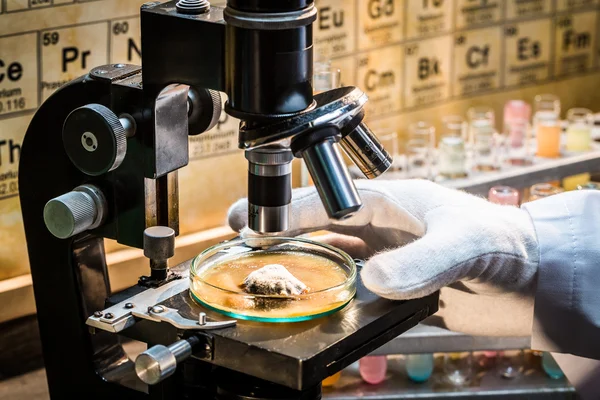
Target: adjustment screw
(98,314)
(192,6)
(157,309)
(108,315)
(129,305)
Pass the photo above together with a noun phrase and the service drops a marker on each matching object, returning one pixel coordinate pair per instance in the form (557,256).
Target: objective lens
(269,189)
(331,177)
(366,152)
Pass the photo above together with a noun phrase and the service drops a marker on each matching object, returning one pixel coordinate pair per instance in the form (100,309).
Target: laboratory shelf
(431,339)
(486,384)
(541,170)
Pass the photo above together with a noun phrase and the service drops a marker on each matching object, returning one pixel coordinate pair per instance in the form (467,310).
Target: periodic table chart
(405,54)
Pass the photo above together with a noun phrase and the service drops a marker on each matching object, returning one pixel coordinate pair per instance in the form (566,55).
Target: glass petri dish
(217,274)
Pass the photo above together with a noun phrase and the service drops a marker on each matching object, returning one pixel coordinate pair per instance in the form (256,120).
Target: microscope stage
(297,355)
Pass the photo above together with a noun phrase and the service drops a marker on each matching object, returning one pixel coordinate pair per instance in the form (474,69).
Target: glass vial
(454,125)
(548,134)
(482,138)
(373,369)
(545,103)
(419,149)
(517,114)
(550,366)
(452,157)
(504,195)
(389,140)
(579,130)
(419,367)
(325,77)
(542,190)
(511,363)
(589,186)
(458,368)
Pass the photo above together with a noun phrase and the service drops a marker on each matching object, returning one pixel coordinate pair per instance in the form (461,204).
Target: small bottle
(579,130)
(511,363)
(543,103)
(516,132)
(419,149)
(589,186)
(332,380)
(452,157)
(325,77)
(550,366)
(571,182)
(373,369)
(419,367)
(548,134)
(458,368)
(389,141)
(454,125)
(504,195)
(542,190)
(482,138)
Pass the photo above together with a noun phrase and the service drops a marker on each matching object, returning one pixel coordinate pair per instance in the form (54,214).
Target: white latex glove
(425,237)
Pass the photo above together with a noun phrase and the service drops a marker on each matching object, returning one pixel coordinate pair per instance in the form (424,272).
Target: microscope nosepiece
(269,189)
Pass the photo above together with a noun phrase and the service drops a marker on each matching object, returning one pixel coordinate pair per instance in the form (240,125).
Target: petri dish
(217,274)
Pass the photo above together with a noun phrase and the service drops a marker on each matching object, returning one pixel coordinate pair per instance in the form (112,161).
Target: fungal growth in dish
(282,285)
(273,279)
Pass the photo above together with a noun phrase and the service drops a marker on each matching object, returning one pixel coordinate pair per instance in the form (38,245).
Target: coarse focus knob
(204,110)
(94,139)
(159,242)
(82,209)
(159,362)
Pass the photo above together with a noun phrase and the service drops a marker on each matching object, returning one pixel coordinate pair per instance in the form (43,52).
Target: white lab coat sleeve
(567,298)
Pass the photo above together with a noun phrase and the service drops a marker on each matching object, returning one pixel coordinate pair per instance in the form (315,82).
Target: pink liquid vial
(373,369)
(517,114)
(504,195)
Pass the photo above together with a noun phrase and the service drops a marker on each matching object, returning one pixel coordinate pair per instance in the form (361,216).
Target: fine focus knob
(82,209)
(94,139)
(159,362)
(159,243)
(204,110)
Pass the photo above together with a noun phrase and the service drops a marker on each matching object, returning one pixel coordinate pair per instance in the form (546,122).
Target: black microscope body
(100,160)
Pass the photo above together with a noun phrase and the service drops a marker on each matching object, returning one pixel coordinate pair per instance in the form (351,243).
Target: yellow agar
(220,286)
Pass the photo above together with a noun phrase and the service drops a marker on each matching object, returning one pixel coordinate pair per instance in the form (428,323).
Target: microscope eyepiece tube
(269,189)
(364,149)
(330,174)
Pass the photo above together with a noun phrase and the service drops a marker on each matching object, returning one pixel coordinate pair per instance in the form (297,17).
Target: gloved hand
(426,237)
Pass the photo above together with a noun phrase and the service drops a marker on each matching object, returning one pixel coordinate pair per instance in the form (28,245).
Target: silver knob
(159,362)
(82,209)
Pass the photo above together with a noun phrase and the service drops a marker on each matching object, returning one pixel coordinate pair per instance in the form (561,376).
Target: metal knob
(204,110)
(159,362)
(95,139)
(82,209)
(159,246)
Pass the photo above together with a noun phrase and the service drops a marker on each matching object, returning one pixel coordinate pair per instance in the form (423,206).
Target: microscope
(100,160)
